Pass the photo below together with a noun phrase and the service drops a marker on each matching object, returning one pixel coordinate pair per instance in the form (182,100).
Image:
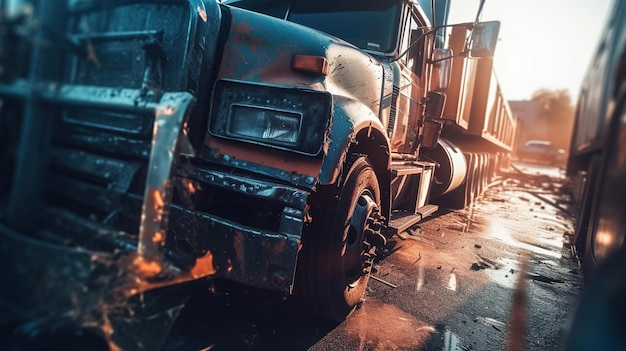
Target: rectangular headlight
(277,126)
(288,118)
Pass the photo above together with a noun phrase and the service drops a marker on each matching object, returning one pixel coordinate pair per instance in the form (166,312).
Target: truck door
(411,88)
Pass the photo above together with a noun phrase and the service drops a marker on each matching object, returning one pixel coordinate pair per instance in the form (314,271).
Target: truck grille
(79,119)
(98,169)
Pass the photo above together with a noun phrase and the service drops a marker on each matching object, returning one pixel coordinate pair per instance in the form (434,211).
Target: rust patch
(158,203)
(157,198)
(234,57)
(277,68)
(242,34)
(251,54)
(307,218)
(267,157)
(202,14)
(242,29)
(190,186)
(158,236)
(229,268)
(108,331)
(204,266)
(146,268)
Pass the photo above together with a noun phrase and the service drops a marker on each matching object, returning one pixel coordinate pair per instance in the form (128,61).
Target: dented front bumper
(46,286)
(253,232)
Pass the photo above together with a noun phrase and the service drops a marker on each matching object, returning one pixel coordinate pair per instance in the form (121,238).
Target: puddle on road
(452,282)
(444,340)
(497,231)
(379,326)
(382,327)
(506,276)
(420,277)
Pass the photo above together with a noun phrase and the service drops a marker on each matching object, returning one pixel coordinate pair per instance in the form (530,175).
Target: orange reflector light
(309,63)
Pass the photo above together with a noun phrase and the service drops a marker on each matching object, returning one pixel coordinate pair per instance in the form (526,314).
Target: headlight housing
(279,117)
(252,122)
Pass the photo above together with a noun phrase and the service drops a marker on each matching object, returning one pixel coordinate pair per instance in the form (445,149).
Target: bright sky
(542,43)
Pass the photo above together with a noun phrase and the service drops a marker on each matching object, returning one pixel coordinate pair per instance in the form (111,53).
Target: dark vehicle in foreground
(596,158)
(146,143)
(598,164)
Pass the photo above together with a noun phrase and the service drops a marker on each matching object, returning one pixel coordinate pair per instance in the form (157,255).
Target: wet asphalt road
(499,275)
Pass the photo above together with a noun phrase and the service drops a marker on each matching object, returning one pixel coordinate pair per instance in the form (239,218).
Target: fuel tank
(451,167)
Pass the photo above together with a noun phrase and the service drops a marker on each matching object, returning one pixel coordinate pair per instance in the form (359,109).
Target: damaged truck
(147,143)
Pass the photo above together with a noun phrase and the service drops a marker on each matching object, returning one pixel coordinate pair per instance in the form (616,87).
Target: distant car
(541,151)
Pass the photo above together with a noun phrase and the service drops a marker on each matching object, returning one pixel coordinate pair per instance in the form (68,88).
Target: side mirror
(442,67)
(431,134)
(435,101)
(484,38)
(431,131)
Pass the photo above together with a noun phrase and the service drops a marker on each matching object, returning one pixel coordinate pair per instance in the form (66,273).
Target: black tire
(336,257)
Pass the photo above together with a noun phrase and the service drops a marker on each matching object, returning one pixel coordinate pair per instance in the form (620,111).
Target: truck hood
(260,48)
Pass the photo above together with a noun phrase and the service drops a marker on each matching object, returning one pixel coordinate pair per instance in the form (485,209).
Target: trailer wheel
(336,257)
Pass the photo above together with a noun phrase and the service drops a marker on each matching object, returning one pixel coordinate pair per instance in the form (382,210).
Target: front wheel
(338,248)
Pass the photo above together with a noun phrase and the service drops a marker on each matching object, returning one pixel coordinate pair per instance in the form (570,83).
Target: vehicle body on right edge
(596,159)
(598,164)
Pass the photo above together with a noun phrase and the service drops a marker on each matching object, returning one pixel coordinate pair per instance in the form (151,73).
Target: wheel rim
(356,253)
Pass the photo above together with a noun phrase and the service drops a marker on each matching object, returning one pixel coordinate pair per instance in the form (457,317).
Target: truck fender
(356,130)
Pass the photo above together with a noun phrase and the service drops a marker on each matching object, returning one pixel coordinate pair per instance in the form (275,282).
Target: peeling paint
(202,12)
(147,268)
(204,266)
(297,169)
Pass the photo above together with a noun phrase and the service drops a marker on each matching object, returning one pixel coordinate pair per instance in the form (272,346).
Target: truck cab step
(402,220)
(410,167)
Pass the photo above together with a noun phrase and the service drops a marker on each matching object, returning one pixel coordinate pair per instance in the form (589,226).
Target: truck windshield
(368,24)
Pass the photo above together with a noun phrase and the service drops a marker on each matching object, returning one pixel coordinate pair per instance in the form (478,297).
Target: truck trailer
(277,144)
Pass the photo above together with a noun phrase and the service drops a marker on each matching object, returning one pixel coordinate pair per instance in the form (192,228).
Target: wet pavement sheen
(498,275)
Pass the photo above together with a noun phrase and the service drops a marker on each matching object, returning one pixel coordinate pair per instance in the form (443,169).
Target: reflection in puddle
(500,232)
(452,282)
(420,277)
(380,327)
(496,324)
(470,217)
(452,341)
(505,276)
